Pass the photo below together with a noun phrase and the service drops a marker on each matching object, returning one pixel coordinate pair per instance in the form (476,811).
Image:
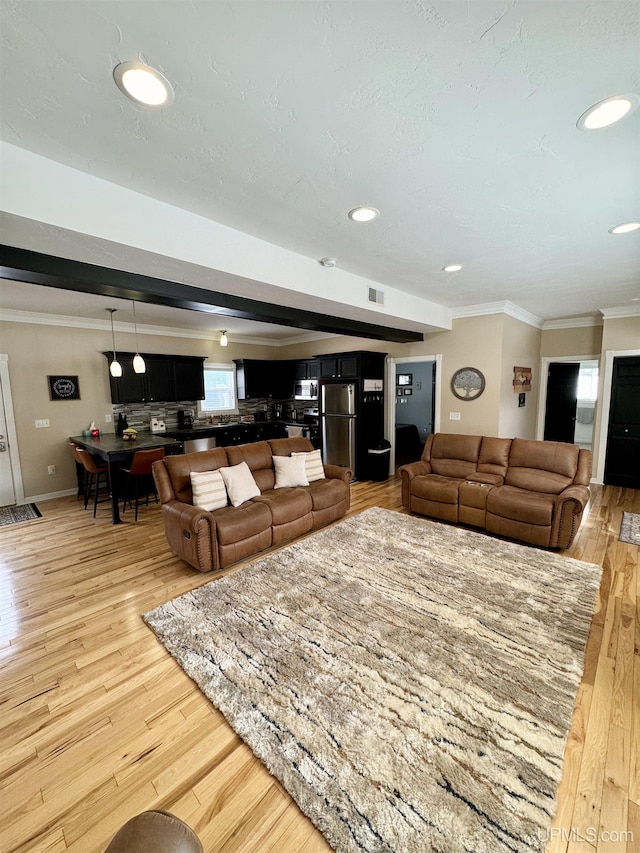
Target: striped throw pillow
(313,464)
(209,490)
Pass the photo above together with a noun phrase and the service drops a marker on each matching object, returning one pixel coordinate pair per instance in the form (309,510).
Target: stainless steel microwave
(305,389)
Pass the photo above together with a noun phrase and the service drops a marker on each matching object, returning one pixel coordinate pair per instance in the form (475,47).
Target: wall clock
(467,383)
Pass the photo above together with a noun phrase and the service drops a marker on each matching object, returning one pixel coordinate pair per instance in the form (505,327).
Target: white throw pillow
(209,490)
(313,464)
(240,483)
(290,471)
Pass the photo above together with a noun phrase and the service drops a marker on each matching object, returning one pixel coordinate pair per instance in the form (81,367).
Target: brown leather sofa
(213,540)
(155,832)
(534,491)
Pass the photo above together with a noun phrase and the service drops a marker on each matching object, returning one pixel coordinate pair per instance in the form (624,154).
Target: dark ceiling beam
(51,271)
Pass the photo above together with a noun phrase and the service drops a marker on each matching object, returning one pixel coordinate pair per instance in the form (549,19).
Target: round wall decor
(467,383)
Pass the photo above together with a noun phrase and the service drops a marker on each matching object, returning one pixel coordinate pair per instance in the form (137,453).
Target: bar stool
(155,832)
(139,471)
(94,470)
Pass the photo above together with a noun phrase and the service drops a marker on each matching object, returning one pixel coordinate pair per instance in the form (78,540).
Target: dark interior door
(622,465)
(562,401)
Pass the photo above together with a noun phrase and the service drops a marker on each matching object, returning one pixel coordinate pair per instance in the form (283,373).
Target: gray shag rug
(411,684)
(630,528)
(16,514)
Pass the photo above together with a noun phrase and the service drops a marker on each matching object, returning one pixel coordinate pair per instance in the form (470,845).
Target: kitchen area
(335,400)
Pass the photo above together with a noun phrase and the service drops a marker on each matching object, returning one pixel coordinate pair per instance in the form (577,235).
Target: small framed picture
(399,392)
(404,379)
(408,392)
(63,388)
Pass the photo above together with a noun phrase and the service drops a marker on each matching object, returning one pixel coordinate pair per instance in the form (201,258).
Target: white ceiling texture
(457,120)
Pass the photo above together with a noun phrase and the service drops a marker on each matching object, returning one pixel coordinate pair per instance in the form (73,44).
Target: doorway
(570,401)
(412,405)
(11,491)
(622,464)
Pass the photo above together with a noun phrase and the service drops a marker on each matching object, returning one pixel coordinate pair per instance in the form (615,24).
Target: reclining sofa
(213,539)
(533,491)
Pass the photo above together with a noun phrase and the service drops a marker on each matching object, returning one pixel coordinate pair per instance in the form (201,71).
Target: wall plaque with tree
(467,383)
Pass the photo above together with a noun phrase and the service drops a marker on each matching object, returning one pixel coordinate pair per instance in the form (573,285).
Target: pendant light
(223,339)
(115,368)
(138,361)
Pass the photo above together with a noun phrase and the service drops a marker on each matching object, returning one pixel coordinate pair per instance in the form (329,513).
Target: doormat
(630,528)
(15,514)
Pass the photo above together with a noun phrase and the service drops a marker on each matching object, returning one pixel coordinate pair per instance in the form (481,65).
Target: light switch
(454,416)
(42,422)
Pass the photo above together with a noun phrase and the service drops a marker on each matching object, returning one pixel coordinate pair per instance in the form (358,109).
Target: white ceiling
(456,119)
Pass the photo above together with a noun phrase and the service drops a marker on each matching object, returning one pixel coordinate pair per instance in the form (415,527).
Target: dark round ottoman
(155,832)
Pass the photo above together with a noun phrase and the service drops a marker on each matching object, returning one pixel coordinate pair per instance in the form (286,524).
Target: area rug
(630,528)
(14,514)
(409,683)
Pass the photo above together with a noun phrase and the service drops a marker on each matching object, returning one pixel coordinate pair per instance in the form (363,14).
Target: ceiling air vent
(376,296)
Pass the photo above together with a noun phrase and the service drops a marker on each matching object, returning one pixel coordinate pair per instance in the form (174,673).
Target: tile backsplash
(139,415)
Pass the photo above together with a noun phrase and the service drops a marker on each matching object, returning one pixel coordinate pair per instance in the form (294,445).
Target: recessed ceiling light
(363,214)
(607,112)
(624,228)
(143,84)
(328,262)
(452,268)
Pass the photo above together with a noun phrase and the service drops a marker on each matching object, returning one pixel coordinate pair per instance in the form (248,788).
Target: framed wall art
(63,388)
(467,383)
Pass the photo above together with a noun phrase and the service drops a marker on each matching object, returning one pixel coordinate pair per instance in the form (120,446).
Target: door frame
(390,405)
(606,385)
(544,380)
(12,435)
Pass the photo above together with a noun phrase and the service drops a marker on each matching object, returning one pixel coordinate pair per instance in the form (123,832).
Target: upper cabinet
(351,365)
(260,378)
(168,378)
(309,369)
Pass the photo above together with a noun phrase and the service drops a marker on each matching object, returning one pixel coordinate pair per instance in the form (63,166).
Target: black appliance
(185,419)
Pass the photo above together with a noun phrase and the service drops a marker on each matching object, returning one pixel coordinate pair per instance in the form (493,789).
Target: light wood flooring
(98,723)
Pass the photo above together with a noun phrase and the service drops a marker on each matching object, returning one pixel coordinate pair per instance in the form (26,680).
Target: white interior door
(7,489)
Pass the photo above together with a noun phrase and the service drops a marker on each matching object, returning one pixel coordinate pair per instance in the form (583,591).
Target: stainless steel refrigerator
(338,420)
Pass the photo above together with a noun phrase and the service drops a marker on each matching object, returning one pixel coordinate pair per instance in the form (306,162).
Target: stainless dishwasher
(194,444)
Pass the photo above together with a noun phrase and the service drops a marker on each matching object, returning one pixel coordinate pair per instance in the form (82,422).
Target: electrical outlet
(42,422)
(51,469)
(454,416)
(107,419)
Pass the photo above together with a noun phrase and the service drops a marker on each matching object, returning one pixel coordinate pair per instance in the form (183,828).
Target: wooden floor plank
(98,722)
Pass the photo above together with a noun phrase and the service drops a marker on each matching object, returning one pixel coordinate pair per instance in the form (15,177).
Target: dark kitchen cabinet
(167,379)
(261,378)
(309,369)
(352,365)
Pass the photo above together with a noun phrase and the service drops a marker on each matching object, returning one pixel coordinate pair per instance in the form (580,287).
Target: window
(219,389)
(588,383)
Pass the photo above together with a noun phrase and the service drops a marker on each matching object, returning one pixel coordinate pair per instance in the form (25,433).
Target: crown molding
(572,323)
(617,313)
(508,308)
(35,318)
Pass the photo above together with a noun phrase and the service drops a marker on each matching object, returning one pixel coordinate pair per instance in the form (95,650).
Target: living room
(460,128)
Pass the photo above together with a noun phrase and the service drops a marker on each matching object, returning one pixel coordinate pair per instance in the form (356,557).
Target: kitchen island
(115,451)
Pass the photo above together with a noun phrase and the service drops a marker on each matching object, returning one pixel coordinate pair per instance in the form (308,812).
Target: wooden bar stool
(140,472)
(94,470)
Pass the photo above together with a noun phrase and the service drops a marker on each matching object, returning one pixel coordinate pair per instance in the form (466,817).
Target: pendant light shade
(138,361)
(115,368)
(223,339)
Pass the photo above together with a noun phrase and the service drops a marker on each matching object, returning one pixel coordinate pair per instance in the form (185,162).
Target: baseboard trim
(50,496)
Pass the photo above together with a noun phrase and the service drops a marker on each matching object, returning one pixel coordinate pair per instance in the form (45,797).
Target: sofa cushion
(240,484)
(179,468)
(455,455)
(521,505)
(494,455)
(286,504)
(313,465)
(542,466)
(432,487)
(290,471)
(258,457)
(326,493)
(209,490)
(233,524)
